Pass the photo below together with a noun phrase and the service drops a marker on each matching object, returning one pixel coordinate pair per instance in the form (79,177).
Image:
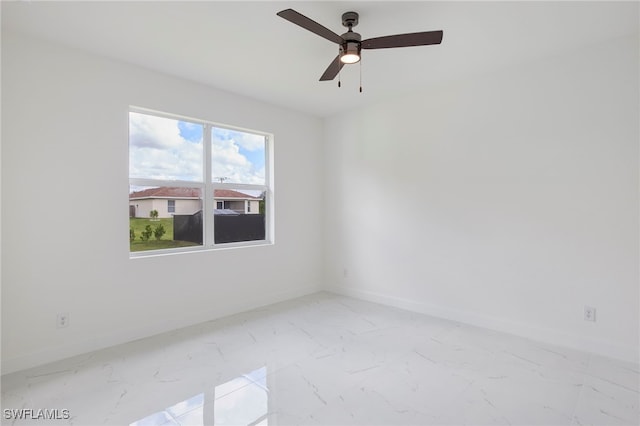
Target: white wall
(516,194)
(65,137)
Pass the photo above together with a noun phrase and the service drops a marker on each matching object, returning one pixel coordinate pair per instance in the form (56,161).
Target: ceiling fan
(351,43)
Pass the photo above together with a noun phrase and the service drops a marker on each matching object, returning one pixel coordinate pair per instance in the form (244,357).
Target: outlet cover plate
(590,313)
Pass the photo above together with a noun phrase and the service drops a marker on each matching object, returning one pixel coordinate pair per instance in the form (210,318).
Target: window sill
(200,249)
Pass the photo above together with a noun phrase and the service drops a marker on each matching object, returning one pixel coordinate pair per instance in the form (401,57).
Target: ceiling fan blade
(403,40)
(332,70)
(309,24)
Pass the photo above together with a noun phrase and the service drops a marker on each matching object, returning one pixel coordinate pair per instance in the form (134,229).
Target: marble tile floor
(327,360)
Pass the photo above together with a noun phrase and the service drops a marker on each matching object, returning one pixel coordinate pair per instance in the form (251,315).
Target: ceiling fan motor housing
(350,19)
(350,46)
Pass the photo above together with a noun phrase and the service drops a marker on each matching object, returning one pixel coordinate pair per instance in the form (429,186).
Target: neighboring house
(169,201)
(227,199)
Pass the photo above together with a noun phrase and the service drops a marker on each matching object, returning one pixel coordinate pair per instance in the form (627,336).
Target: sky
(237,157)
(168,149)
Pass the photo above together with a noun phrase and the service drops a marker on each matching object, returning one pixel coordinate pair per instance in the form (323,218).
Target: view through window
(195,184)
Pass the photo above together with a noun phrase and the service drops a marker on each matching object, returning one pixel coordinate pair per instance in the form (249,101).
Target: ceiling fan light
(350,53)
(350,58)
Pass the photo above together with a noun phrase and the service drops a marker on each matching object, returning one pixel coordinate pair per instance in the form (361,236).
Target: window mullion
(208,199)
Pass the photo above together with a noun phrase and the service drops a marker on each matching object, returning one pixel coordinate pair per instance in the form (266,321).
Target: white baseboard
(106,340)
(628,353)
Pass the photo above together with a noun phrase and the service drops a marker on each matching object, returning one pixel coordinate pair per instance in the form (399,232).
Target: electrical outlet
(62,320)
(589,313)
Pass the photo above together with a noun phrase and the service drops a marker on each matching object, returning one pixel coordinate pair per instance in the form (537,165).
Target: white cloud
(158,151)
(250,141)
(148,131)
(184,163)
(228,160)
(247,141)
(230,164)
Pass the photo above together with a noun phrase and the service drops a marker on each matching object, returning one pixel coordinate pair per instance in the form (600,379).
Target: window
(192,184)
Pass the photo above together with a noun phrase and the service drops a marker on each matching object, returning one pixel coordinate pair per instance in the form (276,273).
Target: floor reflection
(241,401)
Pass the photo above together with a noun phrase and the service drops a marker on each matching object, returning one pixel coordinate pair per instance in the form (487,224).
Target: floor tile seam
(215,398)
(174,419)
(393,403)
(385,361)
(340,389)
(611,382)
(524,364)
(392,400)
(574,419)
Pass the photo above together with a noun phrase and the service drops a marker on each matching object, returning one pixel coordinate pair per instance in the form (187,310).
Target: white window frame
(208,187)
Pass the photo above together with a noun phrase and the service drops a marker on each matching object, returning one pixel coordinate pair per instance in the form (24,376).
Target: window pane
(164,148)
(152,226)
(242,218)
(237,157)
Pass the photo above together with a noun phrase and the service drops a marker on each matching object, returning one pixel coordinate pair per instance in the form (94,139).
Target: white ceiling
(243,47)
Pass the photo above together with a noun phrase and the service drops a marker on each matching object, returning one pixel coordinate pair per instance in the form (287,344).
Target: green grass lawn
(138,225)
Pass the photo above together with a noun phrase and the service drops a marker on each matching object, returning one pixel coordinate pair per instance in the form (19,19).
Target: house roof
(229,193)
(179,192)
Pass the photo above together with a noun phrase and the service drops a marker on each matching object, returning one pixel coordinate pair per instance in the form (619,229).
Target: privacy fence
(228,228)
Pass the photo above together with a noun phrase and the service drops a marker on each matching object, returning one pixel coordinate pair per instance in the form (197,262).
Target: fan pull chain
(360,74)
(339,85)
